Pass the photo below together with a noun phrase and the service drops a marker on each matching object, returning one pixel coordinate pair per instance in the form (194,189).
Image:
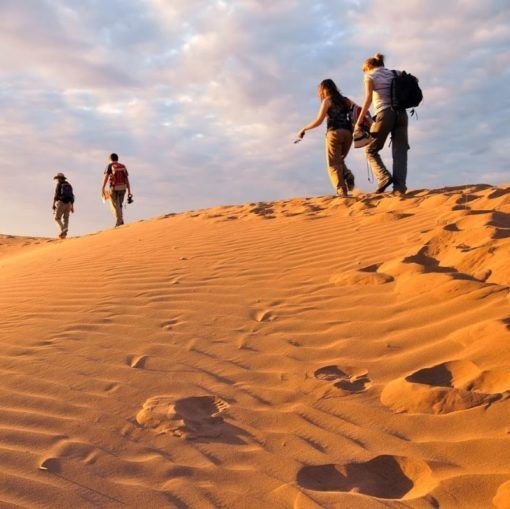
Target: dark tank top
(339,117)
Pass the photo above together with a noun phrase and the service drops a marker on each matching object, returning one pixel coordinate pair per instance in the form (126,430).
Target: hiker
(63,203)
(387,120)
(337,109)
(116,175)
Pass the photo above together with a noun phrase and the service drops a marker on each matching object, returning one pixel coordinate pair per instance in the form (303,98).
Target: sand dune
(299,354)
(12,245)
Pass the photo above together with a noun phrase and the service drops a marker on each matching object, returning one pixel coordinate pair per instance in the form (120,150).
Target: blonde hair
(371,63)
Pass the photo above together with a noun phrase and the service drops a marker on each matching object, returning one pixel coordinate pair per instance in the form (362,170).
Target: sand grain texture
(308,353)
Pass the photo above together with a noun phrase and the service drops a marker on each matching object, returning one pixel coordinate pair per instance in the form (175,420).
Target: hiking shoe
(398,192)
(383,185)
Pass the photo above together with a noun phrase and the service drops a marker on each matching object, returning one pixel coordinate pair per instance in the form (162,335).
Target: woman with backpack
(387,120)
(337,109)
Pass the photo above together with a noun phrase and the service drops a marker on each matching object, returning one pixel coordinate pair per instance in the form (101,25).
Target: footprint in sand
(388,477)
(329,373)
(386,217)
(447,387)
(356,384)
(349,379)
(136,361)
(193,418)
(263,210)
(366,276)
(111,387)
(264,316)
(50,465)
(169,324)
(44,343)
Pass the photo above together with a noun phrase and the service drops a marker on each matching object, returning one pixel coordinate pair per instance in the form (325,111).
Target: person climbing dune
(337,109)
(116,175)
(63,203)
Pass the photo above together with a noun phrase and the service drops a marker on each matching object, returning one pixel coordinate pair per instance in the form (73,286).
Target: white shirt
(381,79)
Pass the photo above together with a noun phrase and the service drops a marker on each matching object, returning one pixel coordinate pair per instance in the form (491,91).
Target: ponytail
(373,62)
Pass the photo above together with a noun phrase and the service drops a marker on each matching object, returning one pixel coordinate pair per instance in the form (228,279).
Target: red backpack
(118,177)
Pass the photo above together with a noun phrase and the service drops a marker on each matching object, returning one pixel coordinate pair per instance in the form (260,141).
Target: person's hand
(299,136)
(54,208)
(72,209)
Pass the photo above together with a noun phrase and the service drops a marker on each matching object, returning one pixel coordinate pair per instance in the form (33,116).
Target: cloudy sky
(202,98)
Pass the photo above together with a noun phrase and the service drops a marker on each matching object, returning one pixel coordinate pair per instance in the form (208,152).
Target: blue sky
(202,99)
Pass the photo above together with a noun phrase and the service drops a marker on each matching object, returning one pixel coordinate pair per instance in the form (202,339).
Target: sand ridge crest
(11,245)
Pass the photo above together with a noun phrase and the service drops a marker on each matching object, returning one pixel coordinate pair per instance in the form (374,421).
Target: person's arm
(369,88)
(105,180)
(55,196)
(128,184)
(323,111)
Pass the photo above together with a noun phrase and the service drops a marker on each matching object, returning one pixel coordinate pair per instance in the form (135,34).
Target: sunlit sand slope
(299,354)
(12,245)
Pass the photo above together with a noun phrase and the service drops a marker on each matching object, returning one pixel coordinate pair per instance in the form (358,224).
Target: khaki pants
(116,202)
(386,122)
(338,143)
(62,212)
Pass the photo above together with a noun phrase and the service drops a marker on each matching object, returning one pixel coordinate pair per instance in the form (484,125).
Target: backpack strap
(392,89)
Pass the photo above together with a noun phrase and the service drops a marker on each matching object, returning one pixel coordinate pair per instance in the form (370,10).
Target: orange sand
(300,354)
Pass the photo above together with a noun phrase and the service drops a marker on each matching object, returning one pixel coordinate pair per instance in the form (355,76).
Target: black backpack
(405,91)
(66,192)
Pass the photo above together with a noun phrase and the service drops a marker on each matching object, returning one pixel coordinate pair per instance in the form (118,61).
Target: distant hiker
(337,109)
(63,203)
(117,176)
(378,85)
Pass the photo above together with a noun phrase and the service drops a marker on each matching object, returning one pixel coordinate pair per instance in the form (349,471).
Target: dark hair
(336,97)
(114,157)
(373,62)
